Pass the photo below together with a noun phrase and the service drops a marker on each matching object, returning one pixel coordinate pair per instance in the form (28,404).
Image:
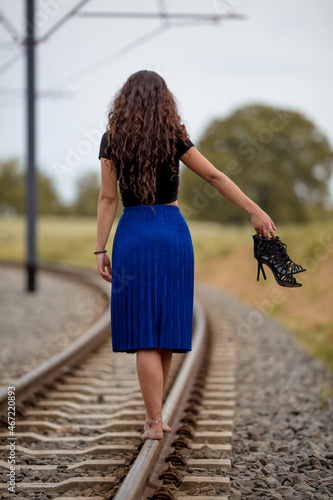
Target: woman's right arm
(261,222)
(106,211)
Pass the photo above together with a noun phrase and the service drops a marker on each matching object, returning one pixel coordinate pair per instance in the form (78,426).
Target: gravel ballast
(283,426)
(36,325)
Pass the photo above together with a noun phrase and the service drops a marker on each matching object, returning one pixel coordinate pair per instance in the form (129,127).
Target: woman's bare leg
(166,356)
(151,379)
(153,366)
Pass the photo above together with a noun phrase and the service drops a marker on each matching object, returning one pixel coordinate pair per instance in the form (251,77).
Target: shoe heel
(260,267)
(258,272)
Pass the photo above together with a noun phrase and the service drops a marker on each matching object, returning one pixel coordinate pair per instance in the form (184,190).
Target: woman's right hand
(103,262)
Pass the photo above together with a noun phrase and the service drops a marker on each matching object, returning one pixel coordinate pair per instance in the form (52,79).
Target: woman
(152,257)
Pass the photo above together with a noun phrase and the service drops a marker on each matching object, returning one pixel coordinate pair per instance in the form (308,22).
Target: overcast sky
(281,55)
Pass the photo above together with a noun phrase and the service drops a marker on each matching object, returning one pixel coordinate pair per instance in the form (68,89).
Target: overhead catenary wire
(7,45)
(8,64)
(159,15)
(108,59)
(128,47)
(162,6)
(21,40)
(65,18)
(15,35)
(184,20)
(137,42)
(19,92)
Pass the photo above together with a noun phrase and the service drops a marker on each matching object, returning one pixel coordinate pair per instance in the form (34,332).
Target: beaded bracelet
(100,251)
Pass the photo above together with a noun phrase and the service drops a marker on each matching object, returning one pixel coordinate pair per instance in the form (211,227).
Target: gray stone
(272,481)
(313,474)
(269,469)
(259,484)
(282,449)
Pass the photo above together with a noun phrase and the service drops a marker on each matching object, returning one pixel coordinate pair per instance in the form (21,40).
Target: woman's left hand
(263,224)
(103,262)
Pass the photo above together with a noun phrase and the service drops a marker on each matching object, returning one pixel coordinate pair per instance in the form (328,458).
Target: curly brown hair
(143,128)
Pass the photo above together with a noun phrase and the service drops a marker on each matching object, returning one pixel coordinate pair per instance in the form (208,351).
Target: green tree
(13,190)
(278,157)
(88,191)
(11,186)
(48,199)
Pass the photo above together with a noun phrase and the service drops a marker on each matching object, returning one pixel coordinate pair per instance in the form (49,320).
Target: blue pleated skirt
(152,280)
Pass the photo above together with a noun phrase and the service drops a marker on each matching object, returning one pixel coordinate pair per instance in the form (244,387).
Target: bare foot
(164,426)
(152,430)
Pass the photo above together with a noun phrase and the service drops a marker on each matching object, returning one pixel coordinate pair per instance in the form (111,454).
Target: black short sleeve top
(167,182)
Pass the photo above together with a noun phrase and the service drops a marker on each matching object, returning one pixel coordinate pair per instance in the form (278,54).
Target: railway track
(78,426)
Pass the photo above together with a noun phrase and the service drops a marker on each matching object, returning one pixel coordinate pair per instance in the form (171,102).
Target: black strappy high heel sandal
(274,254)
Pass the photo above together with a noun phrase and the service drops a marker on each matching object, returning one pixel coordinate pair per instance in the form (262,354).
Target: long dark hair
(143,128)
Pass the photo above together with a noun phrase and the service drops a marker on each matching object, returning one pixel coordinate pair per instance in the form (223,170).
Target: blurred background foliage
(13,186)
(278,157)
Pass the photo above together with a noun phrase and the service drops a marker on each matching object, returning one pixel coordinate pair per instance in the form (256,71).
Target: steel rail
(135,482)
(29,383)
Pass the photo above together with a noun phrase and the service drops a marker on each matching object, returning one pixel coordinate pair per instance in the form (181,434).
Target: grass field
(224,258)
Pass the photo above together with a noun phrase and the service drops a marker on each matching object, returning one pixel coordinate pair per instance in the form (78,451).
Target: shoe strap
(276,253)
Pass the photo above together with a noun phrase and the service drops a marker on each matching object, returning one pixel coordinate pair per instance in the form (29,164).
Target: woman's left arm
(106,211)
(195,161)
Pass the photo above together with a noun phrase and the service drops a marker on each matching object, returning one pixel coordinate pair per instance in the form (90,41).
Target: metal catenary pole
(31,263)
